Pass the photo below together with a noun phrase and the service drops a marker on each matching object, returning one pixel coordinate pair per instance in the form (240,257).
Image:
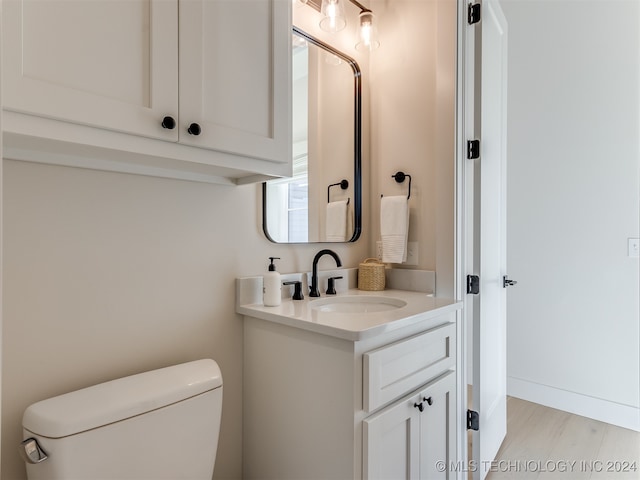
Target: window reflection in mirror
(326,151)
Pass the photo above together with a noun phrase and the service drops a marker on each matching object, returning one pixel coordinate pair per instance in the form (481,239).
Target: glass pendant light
(368,32)
(333,19)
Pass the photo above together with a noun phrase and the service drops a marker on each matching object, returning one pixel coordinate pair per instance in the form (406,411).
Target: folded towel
(394,228)
(336,221)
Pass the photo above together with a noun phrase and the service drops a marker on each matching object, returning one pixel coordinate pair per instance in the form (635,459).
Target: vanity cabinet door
(415,438)
(438,430)
(392,442)
(103,63)
(235,77)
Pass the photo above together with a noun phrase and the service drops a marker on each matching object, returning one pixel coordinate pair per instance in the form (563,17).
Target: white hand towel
(394,228)
(336,221)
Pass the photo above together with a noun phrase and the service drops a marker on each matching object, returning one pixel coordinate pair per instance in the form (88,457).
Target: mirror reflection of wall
(326,150)
(288,199)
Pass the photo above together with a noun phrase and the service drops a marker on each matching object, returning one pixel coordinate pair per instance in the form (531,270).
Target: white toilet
(162,424)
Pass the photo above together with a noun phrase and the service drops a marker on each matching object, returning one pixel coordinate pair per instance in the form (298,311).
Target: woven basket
(371,275)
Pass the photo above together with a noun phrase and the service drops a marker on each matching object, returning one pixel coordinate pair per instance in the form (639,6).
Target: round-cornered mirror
(322,201)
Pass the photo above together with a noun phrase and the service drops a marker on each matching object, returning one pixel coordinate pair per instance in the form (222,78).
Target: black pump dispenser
(272,266)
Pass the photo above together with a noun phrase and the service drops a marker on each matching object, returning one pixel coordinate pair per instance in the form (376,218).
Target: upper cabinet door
(104,63)
(235,77)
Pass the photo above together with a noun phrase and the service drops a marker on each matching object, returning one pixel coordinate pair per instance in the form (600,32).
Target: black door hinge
(473,149)
(473,284)
(474,13)
(473,420)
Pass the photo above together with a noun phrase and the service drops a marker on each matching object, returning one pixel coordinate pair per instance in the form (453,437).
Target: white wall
(111,274)
(412,127)
(573,179)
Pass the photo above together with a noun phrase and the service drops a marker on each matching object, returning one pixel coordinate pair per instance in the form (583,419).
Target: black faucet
(314,274)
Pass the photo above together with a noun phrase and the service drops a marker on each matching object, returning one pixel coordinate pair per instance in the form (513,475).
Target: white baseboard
(596,408)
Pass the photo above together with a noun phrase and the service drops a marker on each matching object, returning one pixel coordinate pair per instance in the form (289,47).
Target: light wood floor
(544,443)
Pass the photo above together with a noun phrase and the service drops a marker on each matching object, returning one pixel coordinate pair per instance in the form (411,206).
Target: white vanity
(334,389)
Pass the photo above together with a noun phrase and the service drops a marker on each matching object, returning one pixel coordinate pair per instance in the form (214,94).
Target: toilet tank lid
(119,399)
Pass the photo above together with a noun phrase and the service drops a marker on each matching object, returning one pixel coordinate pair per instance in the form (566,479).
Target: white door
(489,252)
(102,63)
(235,77)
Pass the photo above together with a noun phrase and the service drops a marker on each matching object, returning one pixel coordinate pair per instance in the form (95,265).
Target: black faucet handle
(331,288)
(297,292)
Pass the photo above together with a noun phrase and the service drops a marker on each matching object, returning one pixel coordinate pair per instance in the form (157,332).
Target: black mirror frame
(357,153)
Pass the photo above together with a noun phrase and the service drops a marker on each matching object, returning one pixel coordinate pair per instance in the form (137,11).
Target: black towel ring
(344,184)
(399,177)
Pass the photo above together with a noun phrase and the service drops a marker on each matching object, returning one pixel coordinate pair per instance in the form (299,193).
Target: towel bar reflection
(399,177)
(344,184)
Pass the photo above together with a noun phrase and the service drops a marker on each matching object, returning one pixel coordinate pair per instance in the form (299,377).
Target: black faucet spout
(314,292)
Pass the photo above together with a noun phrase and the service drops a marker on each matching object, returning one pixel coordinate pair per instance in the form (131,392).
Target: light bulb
(368,32)
(333,19)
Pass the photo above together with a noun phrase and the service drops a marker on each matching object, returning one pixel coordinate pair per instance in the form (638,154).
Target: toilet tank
(162,424)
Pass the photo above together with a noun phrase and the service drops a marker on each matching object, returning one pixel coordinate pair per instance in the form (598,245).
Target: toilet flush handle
(31,451)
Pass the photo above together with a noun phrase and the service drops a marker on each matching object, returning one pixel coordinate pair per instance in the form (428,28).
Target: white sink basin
(357,304)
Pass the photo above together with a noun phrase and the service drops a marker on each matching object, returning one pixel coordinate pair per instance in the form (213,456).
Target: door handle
(508,283)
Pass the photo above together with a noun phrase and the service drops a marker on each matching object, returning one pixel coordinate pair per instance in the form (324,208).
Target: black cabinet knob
(168,123)
(194,129)
(429,400)
(419,406)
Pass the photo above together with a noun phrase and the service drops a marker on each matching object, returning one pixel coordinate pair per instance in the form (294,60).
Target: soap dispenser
(272,286)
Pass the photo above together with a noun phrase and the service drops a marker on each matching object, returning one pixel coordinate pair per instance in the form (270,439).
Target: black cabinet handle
(419,406)
(194,129)
(169,123)
(429,400)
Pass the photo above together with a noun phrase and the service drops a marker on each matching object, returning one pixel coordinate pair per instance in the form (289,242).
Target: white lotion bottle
(272,286)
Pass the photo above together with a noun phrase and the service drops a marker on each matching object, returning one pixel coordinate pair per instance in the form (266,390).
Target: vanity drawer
(393,370)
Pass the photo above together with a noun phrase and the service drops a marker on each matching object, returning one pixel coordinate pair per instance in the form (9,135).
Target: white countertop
(353,326)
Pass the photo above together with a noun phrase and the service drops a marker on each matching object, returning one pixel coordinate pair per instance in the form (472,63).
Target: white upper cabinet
(193,89)
(228,86)
(107,64)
